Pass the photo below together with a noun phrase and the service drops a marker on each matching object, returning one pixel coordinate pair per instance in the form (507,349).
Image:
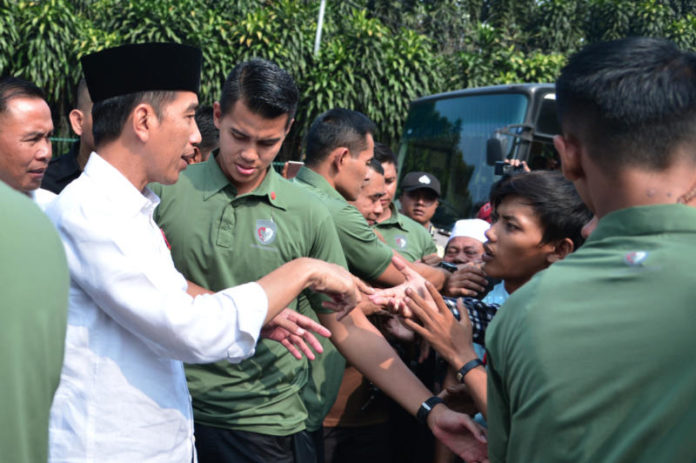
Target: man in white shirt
(133,318)
(25,146)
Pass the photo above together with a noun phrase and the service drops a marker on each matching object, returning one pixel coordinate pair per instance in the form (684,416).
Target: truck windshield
(447,137)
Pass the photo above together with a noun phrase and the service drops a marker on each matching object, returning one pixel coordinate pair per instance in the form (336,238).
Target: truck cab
(458,137)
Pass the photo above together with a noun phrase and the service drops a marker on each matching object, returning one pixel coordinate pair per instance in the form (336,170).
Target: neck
(513,285)
(126,161)
(83,156)
(325,170)
(642,187)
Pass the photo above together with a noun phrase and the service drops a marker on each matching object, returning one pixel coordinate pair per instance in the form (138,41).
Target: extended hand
(394,297)
(344,289)
(469,280)
(449,337)
(460,433)
(294,331)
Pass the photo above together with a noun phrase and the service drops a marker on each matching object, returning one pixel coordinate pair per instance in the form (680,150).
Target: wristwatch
(426,407)
(468,366)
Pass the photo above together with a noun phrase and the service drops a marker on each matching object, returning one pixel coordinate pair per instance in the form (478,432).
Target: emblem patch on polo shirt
(635,258)
(400,241)
(265,231)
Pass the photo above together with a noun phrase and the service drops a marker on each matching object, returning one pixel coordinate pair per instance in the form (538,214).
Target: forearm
(476,381)
(436,276)
(285,283)
(365,348)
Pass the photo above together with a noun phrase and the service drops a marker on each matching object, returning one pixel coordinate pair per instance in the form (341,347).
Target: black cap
(142,67)
(417,180)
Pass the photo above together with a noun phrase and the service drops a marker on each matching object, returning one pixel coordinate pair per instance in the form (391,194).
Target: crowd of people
(171,297)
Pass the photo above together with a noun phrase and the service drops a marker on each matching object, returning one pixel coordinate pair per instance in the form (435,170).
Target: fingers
(437,299)
(302,321)
(293,351)
(363,287)
(299,343)
(383,298)
(417,306)
(310,339)
(464,314)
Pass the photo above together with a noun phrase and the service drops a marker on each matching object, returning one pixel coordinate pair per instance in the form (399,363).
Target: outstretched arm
(365,348)
(452,339)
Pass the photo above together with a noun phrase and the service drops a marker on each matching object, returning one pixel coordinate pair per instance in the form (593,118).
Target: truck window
(447,137)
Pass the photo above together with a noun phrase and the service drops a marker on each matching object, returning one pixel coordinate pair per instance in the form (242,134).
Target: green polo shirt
(33,319)
(367,256)
(220,239)
(593,359)
(406,236)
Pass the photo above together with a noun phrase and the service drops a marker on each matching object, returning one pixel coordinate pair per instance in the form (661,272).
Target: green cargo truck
(458,137)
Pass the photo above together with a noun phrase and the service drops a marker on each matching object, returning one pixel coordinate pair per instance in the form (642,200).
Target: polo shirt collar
(310,177)
(215,180)
(646,220)
(394,219)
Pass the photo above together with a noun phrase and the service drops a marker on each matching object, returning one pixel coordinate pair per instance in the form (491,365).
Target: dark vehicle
(458,137)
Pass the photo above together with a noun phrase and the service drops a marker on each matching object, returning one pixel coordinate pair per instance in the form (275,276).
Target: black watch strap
(468,366)
(426,407)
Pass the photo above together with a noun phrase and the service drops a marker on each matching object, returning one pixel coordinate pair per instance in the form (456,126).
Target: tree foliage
(376,55)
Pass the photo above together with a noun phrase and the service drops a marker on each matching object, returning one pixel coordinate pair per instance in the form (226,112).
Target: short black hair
(554,200)
(265,88)
(375,165)
(336,128)
(384,154)
(206,125)
(82,98)
(633,100)
(16,87)
(109,116)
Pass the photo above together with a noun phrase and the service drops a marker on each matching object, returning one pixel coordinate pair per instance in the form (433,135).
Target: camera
(504,168)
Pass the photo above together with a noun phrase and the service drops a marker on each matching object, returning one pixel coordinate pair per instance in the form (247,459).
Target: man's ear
(143,120)
(76,117)
(217,114)
(338,157)
(561,250)
(569,151)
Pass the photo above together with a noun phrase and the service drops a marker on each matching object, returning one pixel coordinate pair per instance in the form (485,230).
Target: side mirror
(494,151)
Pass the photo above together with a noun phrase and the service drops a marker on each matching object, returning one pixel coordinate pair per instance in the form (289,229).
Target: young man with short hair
(598,350)
(338,148)
(231,220)
(368,202)
(401,233)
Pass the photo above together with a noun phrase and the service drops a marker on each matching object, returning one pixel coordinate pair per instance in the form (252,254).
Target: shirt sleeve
(499,341)
(131,277)
(327,247)
(367,256)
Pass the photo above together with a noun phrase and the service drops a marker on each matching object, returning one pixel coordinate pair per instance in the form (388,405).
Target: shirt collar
(394,219)
(315,180)
(646,220)
(215,180)
(117,188)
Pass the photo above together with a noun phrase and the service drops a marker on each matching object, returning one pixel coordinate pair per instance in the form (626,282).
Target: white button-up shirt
(122,395)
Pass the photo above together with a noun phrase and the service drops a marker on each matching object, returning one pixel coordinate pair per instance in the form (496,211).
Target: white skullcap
(471,228)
